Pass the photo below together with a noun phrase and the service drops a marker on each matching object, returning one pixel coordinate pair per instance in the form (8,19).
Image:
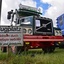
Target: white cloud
(7,5)
(31,3)
(55,9)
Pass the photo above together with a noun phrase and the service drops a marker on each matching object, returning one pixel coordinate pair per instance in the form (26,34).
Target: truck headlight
(24,30)
(29,31)
(58,33)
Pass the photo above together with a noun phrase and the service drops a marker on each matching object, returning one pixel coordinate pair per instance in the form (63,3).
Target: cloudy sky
(49,8)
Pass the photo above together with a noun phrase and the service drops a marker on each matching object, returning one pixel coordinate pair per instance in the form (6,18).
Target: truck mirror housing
(9,14)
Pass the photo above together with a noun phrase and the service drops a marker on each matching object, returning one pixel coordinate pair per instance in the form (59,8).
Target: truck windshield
(26,21)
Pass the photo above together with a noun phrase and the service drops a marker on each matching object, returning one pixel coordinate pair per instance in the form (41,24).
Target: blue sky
(45,6)
(50,8)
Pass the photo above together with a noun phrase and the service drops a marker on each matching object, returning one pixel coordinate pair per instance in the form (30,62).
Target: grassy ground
(34,57)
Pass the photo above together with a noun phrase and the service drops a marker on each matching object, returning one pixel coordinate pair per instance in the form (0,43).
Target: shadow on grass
(32,51)
(39,51)
(59,50)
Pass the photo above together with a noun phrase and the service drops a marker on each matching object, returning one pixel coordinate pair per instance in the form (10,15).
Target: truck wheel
(45,50)
(51,49)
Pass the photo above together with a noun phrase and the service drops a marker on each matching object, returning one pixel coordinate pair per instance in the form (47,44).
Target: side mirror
(9,14)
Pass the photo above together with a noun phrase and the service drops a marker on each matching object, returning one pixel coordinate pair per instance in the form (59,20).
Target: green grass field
(34,57)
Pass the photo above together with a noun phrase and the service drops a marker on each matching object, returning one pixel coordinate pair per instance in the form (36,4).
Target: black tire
(61,45)
(45,50)
(51,49)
